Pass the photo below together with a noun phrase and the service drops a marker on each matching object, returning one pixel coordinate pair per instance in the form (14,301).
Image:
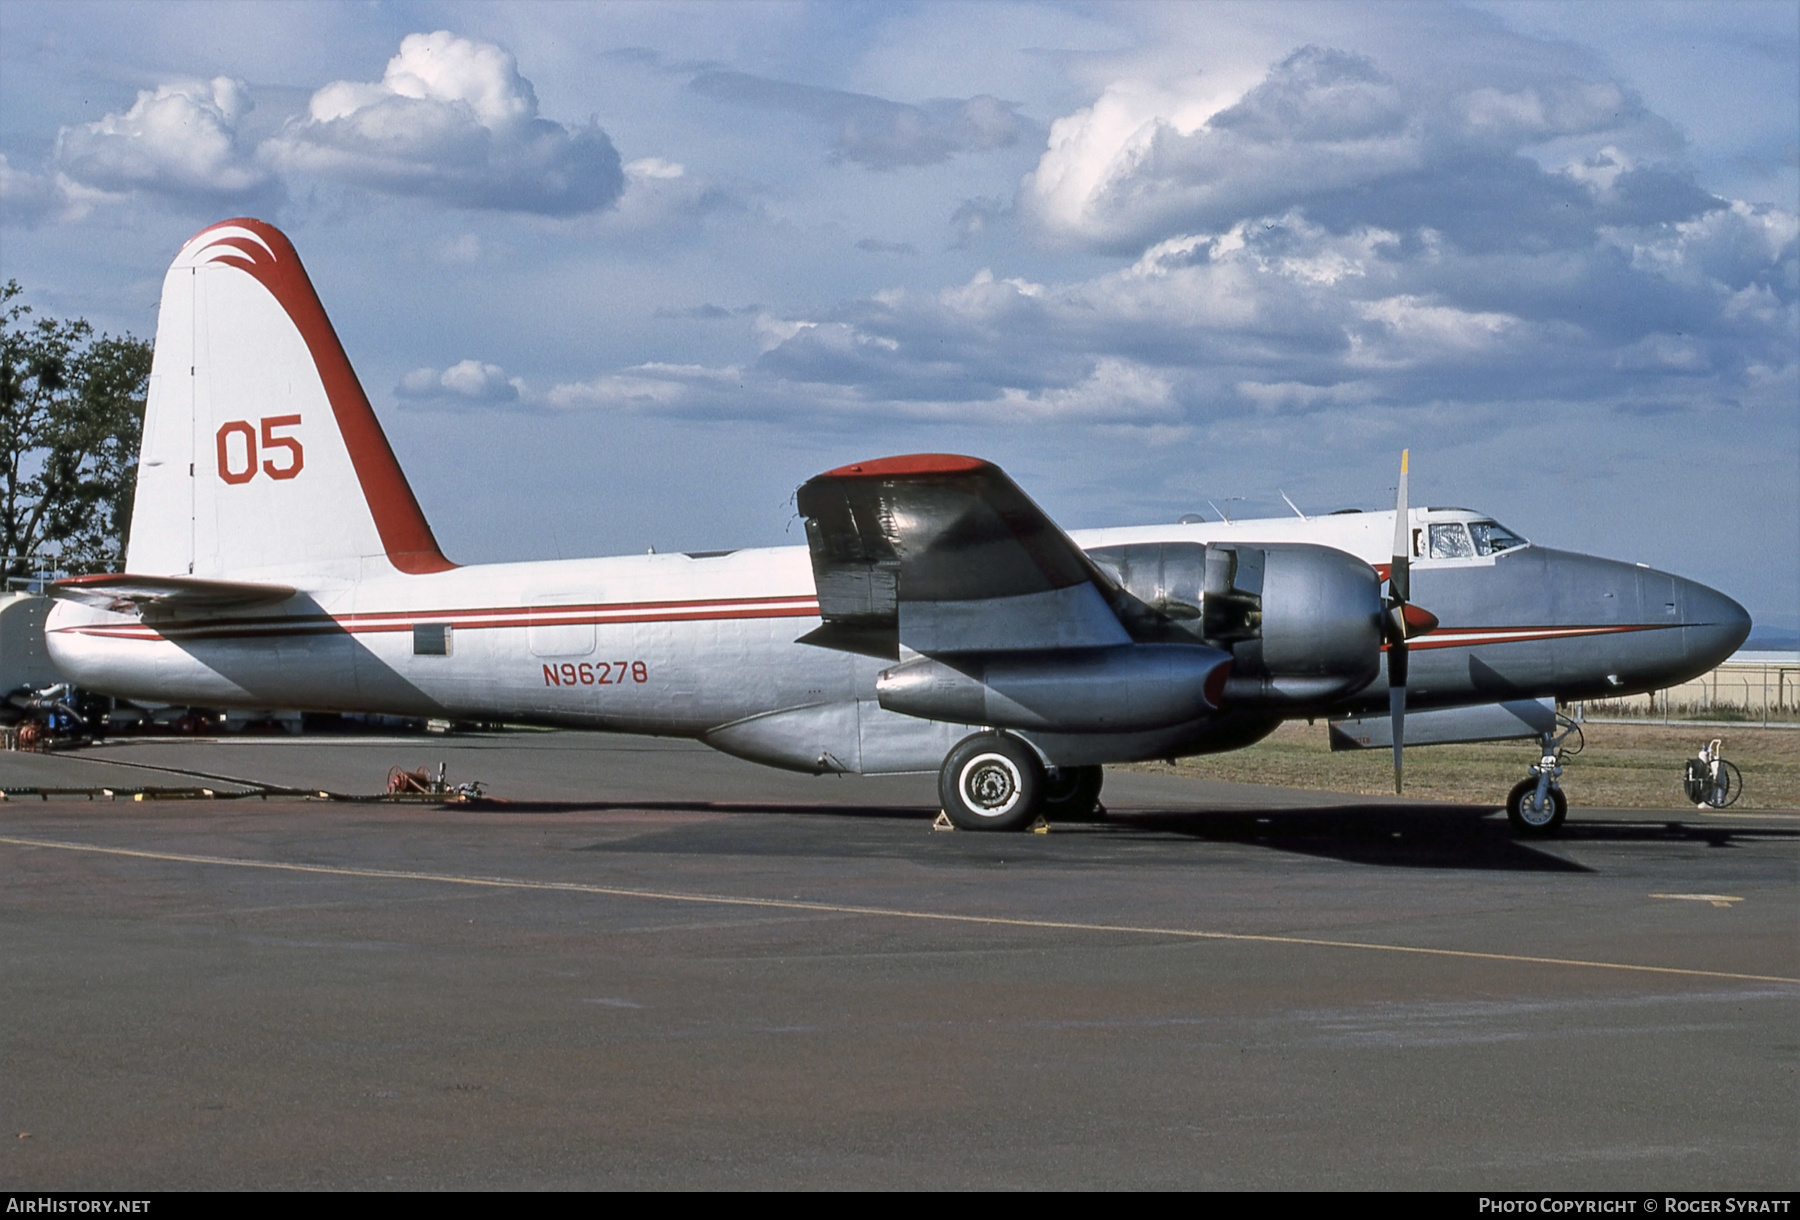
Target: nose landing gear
(1536,806)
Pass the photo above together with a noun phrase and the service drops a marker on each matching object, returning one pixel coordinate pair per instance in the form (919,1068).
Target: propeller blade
(1397,711)
(1399,576)
(1397,663)
(1402,620)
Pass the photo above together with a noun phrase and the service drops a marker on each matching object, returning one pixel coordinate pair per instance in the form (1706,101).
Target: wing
(126,593)
(946,554)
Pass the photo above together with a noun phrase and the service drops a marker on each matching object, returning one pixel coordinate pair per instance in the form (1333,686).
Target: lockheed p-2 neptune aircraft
(937,619)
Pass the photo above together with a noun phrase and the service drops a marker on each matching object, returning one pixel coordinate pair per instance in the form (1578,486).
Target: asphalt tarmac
(648,965)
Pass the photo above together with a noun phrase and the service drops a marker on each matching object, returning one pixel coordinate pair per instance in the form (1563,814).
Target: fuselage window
(431,639)
(1491,537)
(1450,542)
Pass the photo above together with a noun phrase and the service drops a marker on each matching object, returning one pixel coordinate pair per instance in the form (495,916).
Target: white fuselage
(695,646)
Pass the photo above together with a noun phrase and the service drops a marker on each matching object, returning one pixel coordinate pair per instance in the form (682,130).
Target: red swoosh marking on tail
(405,535)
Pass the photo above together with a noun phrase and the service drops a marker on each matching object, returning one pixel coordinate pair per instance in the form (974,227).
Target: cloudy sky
(624,275)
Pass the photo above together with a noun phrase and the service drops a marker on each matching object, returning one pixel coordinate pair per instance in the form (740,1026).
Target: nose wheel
(1536,806)
(1533,816)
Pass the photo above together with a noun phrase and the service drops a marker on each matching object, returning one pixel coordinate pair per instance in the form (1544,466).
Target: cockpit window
(1450,541)
(1491,537)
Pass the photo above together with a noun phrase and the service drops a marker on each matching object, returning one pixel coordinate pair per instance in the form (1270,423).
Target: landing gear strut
(1536,806)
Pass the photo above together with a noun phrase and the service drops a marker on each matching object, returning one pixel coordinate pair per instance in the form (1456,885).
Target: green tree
(71,414)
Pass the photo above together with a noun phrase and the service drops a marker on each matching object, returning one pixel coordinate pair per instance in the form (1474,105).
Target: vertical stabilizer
(260,450)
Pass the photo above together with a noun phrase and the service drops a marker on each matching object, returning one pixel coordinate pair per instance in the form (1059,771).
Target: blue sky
(624,275)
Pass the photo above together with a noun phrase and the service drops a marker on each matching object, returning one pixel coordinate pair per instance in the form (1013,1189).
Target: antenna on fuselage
(1292,505)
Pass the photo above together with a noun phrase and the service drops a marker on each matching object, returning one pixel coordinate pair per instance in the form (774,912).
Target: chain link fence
(1748,689)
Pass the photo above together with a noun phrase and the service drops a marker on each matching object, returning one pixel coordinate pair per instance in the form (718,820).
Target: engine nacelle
(1091,690)
(1302,622)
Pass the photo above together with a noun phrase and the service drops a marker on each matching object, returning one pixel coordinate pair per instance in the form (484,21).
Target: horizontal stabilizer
(1517,718)
(127,592)
(945,553)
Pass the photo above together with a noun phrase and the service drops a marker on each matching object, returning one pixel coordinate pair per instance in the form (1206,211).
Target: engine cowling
(1302,623)
(1128,688)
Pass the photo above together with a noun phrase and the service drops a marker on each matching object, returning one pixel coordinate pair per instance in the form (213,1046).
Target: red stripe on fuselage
(1475,637)
(467,619)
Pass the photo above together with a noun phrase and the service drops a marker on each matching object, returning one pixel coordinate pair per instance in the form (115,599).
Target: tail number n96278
(238,449)
(596,673)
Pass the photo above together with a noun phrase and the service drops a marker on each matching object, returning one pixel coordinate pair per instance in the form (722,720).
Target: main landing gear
(1536,806)
(994,781)
(1072,794)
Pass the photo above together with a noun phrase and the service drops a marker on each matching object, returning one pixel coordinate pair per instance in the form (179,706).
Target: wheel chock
(1040,827)
(943,822)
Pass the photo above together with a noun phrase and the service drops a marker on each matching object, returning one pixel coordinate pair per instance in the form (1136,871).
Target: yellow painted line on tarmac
(833,908)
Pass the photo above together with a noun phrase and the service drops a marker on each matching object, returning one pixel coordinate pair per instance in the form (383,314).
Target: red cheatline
(799,606)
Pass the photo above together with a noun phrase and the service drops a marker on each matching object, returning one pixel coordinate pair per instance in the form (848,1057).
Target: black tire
(1696,781)
(991,781)
(1072,794)
(1529,825)
(1725,793)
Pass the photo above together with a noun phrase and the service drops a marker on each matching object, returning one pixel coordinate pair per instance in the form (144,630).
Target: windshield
(1491,537)
(1450,542)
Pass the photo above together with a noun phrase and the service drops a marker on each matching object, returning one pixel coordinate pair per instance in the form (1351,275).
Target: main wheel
(1531,823)
(991,781)
(1072,794)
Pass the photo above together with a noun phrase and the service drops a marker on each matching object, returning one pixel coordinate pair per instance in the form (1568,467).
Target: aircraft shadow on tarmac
(1427,836)
(1391,836)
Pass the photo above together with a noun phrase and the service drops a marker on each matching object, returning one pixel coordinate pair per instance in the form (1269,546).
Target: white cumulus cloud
(28,198)
(1117,391)
(1327,127)
(467,382)
(178,139)
(655,385)
(451,119)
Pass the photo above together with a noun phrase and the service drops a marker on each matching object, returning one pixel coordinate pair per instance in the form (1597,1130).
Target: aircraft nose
(1716,625)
